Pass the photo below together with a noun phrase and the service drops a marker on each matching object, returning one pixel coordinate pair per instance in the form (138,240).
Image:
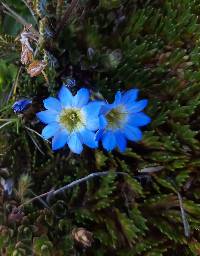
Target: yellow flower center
(72,119)
(116,117)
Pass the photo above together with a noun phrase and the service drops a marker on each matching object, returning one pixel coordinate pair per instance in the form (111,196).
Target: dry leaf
(26,38)
(36,67)
(26,55)
(82,236)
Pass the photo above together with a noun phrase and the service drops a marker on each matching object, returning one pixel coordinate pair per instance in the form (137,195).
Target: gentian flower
(21,105)
(121,120)
(71,120)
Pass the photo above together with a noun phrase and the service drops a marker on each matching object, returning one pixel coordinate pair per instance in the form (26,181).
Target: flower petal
(47,116)
(88,138)
(132,133)
(109,141)
(21,105)
(92,109)
(118,97)
(50,130)
(136,106)
(92,124)
(52,104)
(121,141)
(99,134)
(81,98)
(105,108)
(102,122)
(130,96)
(91,112)
(74,143)
(138,119)
(65,97)
(60,139)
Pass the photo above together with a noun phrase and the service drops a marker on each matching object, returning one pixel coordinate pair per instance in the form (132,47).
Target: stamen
(116,117)
(72,119)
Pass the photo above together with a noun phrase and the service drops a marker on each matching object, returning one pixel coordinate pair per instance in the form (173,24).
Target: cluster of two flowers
(75,120)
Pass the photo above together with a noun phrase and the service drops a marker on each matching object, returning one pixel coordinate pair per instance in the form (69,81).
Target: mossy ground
(105,45)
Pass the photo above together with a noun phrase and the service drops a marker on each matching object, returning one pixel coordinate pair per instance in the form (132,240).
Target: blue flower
(21,105)
(71,120)
(121,120)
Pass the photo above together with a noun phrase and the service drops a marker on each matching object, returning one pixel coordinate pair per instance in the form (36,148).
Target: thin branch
(35,198)
(183,216)
(35,143)
(151,169)
(14,86)
(31,11)
(42,201)
(45,77)
(72,184)
(28,128)
(18,18)
(66,16)
(7,119)
(90,176)
(7,123)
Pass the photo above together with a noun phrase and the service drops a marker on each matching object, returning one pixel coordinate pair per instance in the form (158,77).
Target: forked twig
(70,185)
(35,143)
(28,128)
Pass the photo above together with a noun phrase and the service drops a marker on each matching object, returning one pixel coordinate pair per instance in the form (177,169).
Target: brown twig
(66,16)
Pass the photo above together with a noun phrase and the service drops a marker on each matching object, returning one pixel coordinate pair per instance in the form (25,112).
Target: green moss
(106,46)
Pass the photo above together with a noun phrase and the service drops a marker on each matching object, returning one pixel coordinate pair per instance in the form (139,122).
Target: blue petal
(92,124)
(130,96)
(75,144)
(118,97)
(88,138)
(91,112)
(60,139)
(47,116)
(109,141)
(99,134)
(21,105)
(121,141)
(50,130)
(106,108)
(139,119)
(81,98)
(102,122)
(136,106)
(132,133)
(52,104)
(92,109)
(65,97)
